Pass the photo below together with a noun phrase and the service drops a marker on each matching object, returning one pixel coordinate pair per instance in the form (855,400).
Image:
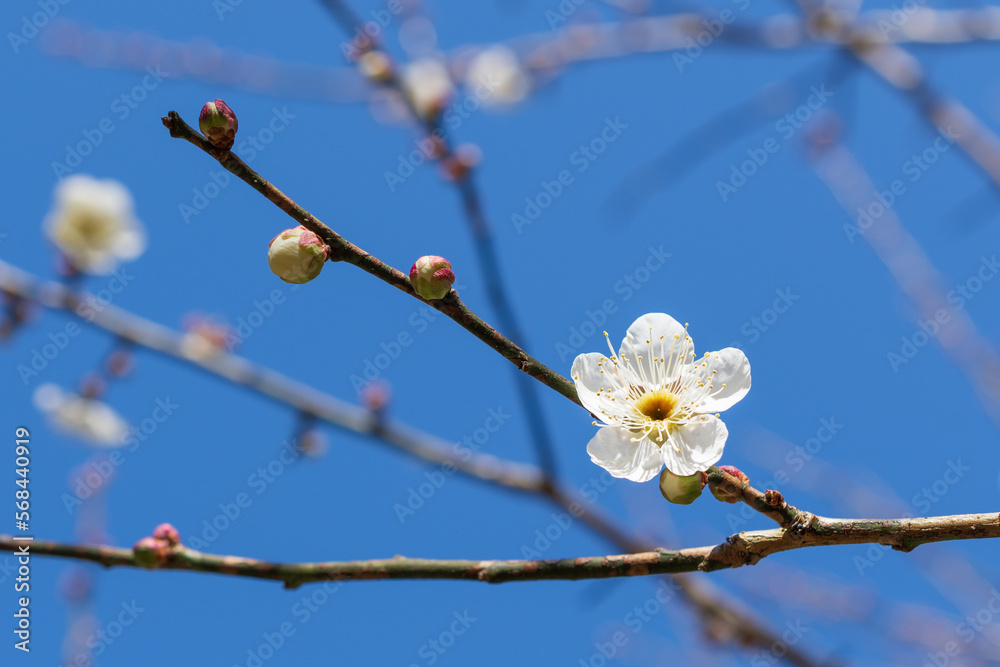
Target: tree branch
(746,548)
(343,250)
(243,372)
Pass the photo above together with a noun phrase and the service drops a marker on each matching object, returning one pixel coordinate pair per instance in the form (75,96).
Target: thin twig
(343,250)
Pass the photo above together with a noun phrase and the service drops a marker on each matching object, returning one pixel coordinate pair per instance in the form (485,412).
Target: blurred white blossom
(93,223)
(498,70)
(429,85)
(86,418)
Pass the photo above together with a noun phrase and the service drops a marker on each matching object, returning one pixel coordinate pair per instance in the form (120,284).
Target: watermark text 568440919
(22,506)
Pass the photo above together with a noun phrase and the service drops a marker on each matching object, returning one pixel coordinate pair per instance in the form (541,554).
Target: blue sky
(727,265)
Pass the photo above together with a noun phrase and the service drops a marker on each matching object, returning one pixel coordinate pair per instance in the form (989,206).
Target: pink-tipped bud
(219,124)
(376,395)
(376,66)
(168,534)
(726,496)
(150,552)
(297,255)
(432,277)
(682,490)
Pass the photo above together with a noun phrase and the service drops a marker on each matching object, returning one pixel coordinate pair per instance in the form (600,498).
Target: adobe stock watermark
(88,308)
(96,473)
(261,311)
(629,284)
(435,647)
(426,148)
(756,326)
(223,7)
(560,522)
(958,298)
(31,25)
(248,148)
(582,158)
(923,500)
(303,610)
(778,649)
(366,33)
(562,13)
(100,640)
(898,17)
(373,366)
(418,496)
(712,29)
(258,482)
(122,107)
(795,459)
(913,168)
(635,620)
(967,630)
(786,127)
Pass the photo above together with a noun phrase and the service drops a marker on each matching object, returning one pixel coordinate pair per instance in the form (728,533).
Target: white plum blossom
(87,418)
(429,85)
(93,223)
(659,402)
(498,71)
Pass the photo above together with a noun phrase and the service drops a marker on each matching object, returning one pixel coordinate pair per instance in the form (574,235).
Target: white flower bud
(297,255)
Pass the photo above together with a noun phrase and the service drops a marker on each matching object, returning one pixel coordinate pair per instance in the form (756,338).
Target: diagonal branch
(243,372)
(343,250)
(481,230)
(746,548)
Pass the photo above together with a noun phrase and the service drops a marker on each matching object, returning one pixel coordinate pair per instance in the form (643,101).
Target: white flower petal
(700,443)
(731,369)
(613,450)
(591,373)
(652,335)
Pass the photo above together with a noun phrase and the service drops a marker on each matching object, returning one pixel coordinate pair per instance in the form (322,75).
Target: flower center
(657,405)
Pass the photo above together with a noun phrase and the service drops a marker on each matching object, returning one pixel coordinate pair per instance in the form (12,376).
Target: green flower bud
(432,277)
(682,490)
(150,552)
(219,124)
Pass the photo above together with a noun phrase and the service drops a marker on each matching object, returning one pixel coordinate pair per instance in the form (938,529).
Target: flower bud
(297,255)
(431,277)
(150,552)
(427,82)
(219,124)
(376,66)
(167,533)
(682,490)
(725,496)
